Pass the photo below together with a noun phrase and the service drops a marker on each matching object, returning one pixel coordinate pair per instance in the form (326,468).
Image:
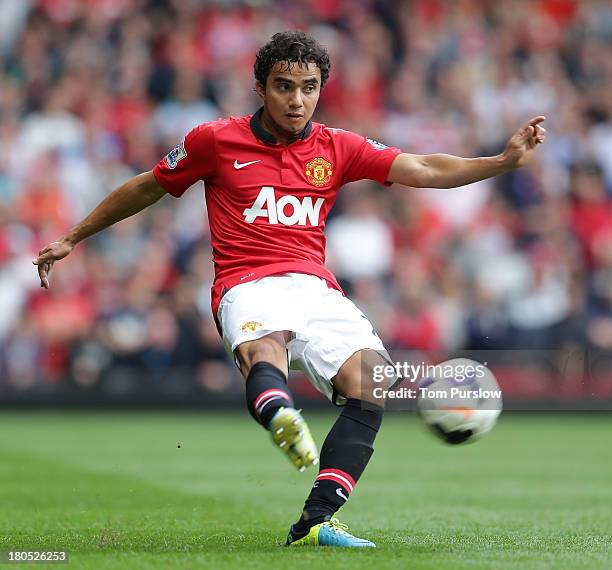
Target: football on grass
(459,400)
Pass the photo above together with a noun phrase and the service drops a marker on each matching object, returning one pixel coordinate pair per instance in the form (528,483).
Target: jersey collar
(265,136)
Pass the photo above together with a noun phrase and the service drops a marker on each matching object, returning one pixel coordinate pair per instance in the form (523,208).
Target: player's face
(290,96)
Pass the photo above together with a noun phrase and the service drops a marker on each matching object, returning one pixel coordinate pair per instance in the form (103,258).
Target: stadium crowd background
(95,91)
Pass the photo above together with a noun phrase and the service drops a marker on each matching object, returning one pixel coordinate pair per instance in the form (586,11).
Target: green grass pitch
(117,491)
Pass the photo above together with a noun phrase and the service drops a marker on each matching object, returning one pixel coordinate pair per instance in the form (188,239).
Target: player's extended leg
(263,363)
(344,456)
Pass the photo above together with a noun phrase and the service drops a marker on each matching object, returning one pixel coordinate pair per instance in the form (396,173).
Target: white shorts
(327,327)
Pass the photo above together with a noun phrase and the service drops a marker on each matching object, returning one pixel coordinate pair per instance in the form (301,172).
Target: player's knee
(350,387)
(355,379)
(271,349)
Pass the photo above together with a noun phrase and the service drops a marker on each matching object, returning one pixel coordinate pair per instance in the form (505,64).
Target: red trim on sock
(269,395)
(338,476)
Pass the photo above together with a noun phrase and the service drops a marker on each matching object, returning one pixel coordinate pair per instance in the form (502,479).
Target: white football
(459,400)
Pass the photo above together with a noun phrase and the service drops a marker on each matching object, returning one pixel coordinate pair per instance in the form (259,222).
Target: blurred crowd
(95,91)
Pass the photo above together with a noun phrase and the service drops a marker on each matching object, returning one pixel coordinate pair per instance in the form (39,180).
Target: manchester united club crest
(318,171)
(251,326)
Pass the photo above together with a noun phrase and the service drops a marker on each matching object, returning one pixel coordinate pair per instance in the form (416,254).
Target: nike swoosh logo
(238,165)
(341,494)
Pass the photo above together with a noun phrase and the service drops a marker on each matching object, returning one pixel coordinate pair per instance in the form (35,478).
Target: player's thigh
(271,348)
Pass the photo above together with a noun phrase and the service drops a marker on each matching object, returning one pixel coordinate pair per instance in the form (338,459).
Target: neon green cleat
(330,533)
(290,432)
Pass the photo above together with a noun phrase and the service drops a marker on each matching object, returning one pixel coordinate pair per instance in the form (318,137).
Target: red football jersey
(267,203)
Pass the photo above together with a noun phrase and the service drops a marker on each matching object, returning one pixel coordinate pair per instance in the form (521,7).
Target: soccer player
(271,180)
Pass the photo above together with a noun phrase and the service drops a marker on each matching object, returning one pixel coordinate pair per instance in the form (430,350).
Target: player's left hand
(521,144)
(48,256)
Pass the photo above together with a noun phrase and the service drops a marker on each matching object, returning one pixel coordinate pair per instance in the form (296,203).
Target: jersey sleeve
(364,158)
(193,159)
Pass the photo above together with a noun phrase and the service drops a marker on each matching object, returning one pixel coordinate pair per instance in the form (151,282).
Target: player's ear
(260,89)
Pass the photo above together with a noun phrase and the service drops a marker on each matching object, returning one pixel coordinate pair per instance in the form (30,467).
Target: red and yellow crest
(318,171)
(251,326)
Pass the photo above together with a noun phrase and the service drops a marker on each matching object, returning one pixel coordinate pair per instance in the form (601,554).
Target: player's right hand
(47,256)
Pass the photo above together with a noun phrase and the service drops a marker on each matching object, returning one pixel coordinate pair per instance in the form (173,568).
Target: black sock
(266,392)
(344,455)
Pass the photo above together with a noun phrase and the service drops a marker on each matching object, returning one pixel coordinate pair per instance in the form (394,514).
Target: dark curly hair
(294,47)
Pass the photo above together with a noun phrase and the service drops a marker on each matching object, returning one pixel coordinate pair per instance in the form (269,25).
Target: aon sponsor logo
(287,210)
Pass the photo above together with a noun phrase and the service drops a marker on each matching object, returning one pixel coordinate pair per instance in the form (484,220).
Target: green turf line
(119,493)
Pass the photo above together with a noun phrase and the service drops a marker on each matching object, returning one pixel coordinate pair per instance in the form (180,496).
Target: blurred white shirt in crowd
(359,246)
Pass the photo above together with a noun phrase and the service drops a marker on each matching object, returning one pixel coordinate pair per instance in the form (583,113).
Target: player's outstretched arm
(446,171)
(130,198)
